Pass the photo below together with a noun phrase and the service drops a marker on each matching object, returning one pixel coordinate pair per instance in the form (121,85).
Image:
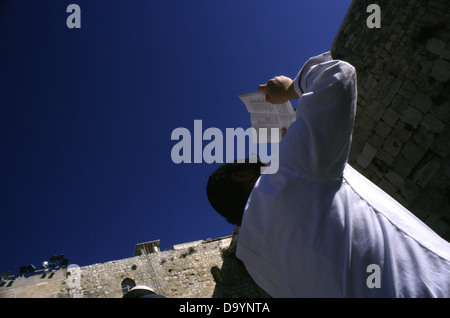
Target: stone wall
(204,269)
(105,280)
(401,139)
(37,286)
(201,269)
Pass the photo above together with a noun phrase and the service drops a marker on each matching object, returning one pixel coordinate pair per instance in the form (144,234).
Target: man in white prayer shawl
(317,227)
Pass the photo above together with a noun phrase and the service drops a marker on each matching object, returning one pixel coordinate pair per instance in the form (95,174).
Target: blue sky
(86,115)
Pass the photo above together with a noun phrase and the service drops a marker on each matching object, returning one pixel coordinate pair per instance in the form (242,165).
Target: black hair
(226,196)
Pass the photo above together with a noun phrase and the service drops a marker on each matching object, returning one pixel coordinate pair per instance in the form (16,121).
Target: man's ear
(242,176)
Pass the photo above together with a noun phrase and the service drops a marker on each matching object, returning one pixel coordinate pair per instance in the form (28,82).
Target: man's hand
(278,90)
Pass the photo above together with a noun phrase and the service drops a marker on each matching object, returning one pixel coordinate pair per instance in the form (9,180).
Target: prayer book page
(266,115)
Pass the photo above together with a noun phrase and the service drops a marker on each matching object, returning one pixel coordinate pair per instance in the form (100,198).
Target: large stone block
(394,179)
(435,46)
(422,102)
(423,138)
(402,166)
(366,155)
(399,103)
(392,145)
(375,110)
(407,89)
(390,117)
(411,116)
(413,152)
(426,170)
(432,124)
(440,70)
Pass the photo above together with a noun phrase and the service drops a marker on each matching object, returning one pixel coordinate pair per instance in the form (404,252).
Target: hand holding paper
(278,90)
(266,115)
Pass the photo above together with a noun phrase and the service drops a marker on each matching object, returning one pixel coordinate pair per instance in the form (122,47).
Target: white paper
(266,115)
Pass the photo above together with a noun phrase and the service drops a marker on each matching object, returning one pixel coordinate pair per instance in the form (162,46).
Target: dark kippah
(226,196)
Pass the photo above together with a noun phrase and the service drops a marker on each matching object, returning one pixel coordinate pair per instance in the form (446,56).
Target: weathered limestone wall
(201,269)
(42,285)
(401,138)
(204,269)
(105,280)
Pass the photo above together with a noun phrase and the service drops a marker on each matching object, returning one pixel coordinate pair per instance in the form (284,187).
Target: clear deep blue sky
(86,115)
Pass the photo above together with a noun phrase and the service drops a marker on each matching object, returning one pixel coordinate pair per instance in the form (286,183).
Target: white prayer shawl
(318,228)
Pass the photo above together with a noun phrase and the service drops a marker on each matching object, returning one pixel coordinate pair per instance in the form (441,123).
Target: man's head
(229,187)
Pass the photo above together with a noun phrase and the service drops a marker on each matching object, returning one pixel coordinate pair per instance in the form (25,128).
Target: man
(318,228)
